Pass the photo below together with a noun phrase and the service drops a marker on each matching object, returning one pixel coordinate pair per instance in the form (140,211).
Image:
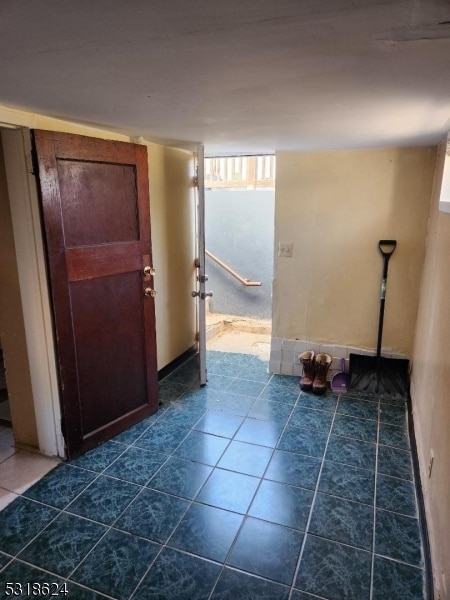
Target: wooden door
(96,215)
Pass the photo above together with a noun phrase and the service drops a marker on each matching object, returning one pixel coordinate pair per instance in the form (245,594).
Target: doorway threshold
(245,335)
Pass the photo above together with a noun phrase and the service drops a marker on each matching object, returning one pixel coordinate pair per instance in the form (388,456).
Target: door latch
(149,292)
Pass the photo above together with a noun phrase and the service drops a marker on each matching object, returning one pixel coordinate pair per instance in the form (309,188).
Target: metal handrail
(244,280)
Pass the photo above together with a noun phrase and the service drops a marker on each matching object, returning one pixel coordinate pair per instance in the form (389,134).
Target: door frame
(34,291)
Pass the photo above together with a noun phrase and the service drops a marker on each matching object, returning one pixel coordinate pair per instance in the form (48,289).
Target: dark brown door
(96,213)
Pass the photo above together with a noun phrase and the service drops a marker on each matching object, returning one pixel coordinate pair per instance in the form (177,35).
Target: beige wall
(430,386)
(334,207)
(12,330)
(172,211)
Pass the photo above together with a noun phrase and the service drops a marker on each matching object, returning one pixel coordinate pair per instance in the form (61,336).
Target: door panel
(95,208)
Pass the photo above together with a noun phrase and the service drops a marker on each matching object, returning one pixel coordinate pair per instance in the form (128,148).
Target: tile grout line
(316,489)
(372,566)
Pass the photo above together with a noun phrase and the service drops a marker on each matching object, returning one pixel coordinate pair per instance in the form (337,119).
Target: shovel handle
(387,248)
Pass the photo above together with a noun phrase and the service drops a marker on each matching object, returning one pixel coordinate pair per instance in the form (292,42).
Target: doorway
(239,233)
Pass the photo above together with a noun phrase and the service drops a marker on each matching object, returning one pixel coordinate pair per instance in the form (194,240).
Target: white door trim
(201,263)
(25,215)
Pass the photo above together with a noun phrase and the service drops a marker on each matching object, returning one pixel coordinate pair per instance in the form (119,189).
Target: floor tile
(233,585)
(202,447)
(152,515)
(23,574)
(351,452)
(99,458)
(206,531)
(228,490)
(308,418)
(286,381)
(282,504)
(398,537)
(219,423)
(327,402)
(334,571)
(395,462)
(393,415)
(303,441)
(268,410)
(256,372)
(104,500)
(63,544)
(346,481)
(396,581)
(264,433)
(293,469)
(219,382)
(162,438)
(180,477)
(397,495)
(296,595)
(6,497)
(267,549)
(280,393)
(130,435)
(21,470)
(194,580)
(170,390)
(59,487)
(136,465)
(4,560)
(231,404)
(117,565)
(342,521)
(358,408)
(391,435)
(246,458)
(252,389)
(21,521)
(182,415)
(353,427)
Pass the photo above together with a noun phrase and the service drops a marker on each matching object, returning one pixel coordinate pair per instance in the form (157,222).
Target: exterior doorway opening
(239,234)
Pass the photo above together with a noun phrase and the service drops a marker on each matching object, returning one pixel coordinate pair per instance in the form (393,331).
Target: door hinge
(197,263)
(195,181)
(32,162)
(197,337)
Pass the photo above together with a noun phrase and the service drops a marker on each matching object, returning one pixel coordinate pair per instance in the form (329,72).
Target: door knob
(149,271)
(149,292)
(204,295)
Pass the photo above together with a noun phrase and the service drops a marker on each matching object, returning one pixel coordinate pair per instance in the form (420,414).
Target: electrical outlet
(285,249)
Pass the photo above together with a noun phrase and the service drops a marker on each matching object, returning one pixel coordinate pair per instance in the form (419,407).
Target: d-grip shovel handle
(386,253)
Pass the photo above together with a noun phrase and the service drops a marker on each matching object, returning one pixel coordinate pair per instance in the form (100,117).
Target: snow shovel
(376,374)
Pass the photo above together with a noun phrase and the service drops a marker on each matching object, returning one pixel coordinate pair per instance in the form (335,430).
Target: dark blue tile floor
(245,489)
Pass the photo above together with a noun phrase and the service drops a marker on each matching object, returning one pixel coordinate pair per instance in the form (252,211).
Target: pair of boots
(315,369)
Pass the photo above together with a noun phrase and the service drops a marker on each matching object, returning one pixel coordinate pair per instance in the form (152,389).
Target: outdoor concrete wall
(239,230)
(335,207)
(12,329)
(430,385)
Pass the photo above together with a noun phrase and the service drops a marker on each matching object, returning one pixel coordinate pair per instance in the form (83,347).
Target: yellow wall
(172,212)
(334,207)
(12,330)
(430,386)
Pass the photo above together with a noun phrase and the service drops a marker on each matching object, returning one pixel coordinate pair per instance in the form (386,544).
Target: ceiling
(240,76)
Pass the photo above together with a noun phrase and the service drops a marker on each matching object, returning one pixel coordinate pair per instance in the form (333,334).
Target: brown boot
(323,362)
(307,360)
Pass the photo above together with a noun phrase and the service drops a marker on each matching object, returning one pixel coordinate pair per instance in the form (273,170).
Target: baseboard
(428,569)
(176,362)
